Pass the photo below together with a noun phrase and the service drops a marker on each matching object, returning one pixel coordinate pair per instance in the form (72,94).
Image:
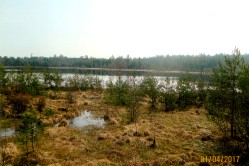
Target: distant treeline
(159,62)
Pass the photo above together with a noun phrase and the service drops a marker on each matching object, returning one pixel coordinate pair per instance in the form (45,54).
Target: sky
(138,28)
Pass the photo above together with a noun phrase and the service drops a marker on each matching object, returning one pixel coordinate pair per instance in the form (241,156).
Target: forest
(197,63)
(146,122)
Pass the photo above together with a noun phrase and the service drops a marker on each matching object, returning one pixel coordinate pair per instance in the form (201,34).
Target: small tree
(47,79)
(186,91)
(57,78)
(3,80)
(149,86)
(132,101)
(70,98)
(243,102)
(96,83)
(117,92)
(168,95)
(26,81)
(226,78)
(84,83)
(52,79)
(228,103)
(201,92)
(73,83)
(242,118)
(29,130)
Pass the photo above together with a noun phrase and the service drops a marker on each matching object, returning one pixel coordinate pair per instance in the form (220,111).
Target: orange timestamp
(220,159)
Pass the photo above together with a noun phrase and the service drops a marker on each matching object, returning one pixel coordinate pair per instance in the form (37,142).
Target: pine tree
(226,78)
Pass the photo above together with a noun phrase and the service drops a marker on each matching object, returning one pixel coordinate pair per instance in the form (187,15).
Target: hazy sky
(102,28)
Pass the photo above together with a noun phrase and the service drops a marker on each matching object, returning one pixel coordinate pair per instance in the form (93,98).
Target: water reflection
(10,132)
(86,119)
(106,78)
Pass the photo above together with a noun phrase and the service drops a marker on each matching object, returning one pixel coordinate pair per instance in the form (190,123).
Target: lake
(106,78)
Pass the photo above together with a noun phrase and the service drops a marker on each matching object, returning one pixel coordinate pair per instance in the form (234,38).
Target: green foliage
(201,92)
(3,80)
(95,82)
(117,92)
(73,83)
(228,101)
(83,83)
(90,82)
(213,104)
(132,100)
(26,81)
(186,91)
(243,99)
(49,112)
(226,79)
(52,79)
(160,62)
(28,132)
(168,95)
(149,86)
(70,98)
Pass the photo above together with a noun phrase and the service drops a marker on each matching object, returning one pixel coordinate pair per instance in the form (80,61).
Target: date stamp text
(220,159)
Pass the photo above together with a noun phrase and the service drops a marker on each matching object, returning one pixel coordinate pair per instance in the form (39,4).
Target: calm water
(86,119)
(107,75)
(9,132)
(106,78)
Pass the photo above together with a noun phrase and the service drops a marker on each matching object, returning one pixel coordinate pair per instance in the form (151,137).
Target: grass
(178,136)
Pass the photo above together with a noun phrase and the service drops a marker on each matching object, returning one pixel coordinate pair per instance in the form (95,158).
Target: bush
(83,83)
(52,79)
(28,131)
(49,112)
(149,86)
(186,92)
(73,83)
(19,103)
(117,92)
(25,81)
(70,98)
(167,96)
(133,100)
(3,79)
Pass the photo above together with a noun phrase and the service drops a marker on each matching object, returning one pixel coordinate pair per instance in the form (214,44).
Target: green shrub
(117,92)
(186,92)
(149,86)
(28,131)
(168,95)
(49,112)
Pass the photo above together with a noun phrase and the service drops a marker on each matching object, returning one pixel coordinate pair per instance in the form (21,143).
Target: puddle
(86,119)
(94,99)
(10,132)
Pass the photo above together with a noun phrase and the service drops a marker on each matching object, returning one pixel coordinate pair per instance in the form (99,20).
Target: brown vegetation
(179,135)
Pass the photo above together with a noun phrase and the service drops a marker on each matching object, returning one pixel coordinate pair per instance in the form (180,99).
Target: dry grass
(178,136)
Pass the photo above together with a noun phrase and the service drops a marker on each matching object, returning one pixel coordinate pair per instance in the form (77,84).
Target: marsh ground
(182,137)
